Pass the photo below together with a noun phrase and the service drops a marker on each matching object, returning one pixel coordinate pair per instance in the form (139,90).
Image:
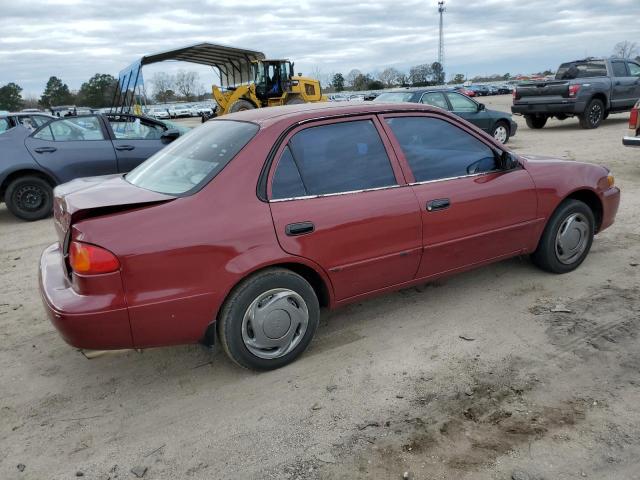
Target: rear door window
(435,99)
(619,69)
(335,158)
(436,149)
(4,125)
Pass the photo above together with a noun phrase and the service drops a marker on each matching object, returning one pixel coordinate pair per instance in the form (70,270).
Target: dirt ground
(544,384)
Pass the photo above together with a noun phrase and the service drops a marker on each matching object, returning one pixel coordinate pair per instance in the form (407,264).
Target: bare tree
(420,74)
(187,84)
(163,86)
(389,76)
(625,49)
(352,75)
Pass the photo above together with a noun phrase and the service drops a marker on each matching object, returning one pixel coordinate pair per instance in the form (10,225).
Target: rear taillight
(88,259)
(515,94)
(633,118)
(573,90)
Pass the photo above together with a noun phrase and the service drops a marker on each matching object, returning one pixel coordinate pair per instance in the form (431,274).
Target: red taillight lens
(88,259)
(573,90)
(633,118)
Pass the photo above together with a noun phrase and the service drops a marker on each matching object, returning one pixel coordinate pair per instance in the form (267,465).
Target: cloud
(75,39)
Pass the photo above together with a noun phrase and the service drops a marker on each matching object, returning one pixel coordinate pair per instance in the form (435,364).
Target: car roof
(318,110)
(27,114)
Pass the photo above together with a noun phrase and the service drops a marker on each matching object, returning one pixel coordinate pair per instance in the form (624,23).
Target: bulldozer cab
(272,78)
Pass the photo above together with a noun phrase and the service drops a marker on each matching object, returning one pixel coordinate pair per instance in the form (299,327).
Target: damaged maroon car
(245,227)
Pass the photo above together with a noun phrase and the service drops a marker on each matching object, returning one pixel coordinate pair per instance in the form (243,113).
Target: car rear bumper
(548,108)
(629,141)
(610,204)
(98,321)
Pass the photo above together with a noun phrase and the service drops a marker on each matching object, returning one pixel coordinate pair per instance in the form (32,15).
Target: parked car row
(180,110)
(338,203)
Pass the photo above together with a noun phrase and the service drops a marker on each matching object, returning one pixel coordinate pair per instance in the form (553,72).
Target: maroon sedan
(249,224)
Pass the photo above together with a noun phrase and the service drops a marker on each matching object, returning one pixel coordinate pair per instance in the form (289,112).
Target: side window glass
(39,120)
(619,69)
(634,69)
(436,149)
(460,103)
(287,182)
(435,99)
(340,157)
(128,128)
(76,129)
(4,125)
(44,134)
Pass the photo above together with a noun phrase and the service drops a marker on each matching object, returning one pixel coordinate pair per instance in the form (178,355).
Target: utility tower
(441,11)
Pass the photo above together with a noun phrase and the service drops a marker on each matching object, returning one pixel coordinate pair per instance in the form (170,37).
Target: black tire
(546,255)
(593,115)
(241,105)
(230,321)
(507,130)
(535,123)
(29,198)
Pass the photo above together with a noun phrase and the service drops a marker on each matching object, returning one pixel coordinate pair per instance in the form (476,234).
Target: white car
(180,111)
(159,112)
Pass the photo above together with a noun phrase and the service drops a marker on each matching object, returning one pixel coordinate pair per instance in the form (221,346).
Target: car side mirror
(481,107)
(170,135)
(508,161)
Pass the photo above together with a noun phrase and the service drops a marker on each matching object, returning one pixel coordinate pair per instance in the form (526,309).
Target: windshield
(581,69)
(394,97)
(193,159)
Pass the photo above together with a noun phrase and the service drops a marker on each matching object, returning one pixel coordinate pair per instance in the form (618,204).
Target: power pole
(441,10)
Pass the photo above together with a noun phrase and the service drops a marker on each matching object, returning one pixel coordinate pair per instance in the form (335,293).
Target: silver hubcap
(572,238)
(275,323)
(500,134)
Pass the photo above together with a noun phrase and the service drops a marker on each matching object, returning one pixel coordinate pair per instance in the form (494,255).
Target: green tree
(98,91)
(56,93)
(10,98)
(458,78)
(506,76)
(438,73)
(338,82)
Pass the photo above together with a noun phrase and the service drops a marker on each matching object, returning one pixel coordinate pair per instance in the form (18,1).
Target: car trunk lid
(93,196)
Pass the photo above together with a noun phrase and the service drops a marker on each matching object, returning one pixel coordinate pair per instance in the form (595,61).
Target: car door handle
(45,149)
(300,228)
(438,204)
(125,147)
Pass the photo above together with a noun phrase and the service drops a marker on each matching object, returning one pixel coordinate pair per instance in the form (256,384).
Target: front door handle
(438,204)
(45,149)
(125,147)
(300,228)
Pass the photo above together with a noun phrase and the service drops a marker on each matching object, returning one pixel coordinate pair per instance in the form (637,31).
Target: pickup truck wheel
(566,239)
(29,198)
(593,115)
(269,319)
(535,122)
(501,132)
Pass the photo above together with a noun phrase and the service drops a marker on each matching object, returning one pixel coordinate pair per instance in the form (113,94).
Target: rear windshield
(582,69)
(394,97)
(193,159)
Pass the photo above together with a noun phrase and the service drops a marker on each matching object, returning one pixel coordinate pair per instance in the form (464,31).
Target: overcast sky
(75,39)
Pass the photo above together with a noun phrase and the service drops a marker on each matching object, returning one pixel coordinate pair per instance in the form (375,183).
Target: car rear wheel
(566,239)
(269,319)
(593,115)
(501,132)
(535,122)
(241,105)
(29,198)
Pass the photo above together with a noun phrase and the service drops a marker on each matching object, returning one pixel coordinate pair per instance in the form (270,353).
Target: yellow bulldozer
(246,79)
(272,83)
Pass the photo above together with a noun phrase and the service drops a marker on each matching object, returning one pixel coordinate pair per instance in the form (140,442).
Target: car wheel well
(602,97)
(23,173)
(593,202)
(309,274)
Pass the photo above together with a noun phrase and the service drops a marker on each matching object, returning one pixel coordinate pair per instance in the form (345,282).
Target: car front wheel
(501,132)
(566,239)
(269,319)
(29,198)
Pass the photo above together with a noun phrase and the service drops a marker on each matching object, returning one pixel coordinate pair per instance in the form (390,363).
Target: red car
(250,223)
(466,91)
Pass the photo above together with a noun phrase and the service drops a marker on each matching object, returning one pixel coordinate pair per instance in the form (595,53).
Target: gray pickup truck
(589,89)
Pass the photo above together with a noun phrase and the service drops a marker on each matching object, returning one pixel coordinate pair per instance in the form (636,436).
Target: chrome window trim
(308,197)
(496,170)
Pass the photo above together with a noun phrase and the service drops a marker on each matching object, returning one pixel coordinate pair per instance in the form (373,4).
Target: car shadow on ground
(572,124)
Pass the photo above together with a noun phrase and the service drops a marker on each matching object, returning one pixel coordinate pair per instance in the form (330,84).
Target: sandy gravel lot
(387,386)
